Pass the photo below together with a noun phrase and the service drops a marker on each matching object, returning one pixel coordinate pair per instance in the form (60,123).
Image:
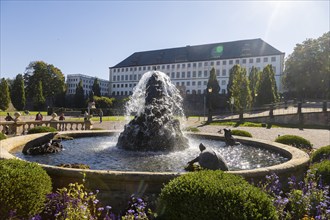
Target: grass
(96,118)
(240,124)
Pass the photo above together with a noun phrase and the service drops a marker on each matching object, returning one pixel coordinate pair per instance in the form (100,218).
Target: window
(149,67)
(205,83)
(130,77)
(200,74)
(122,77)
(251,60)
(168,67)
(205,73)
(163,67)
(206,63)
(178,75)
(122,85)
(177,83)
(172,75)
(114,70)
(114,78)
(183,65)
(114,85)
(230,61)
(182,83)
(223,82)
(188,83)
(126,69)
(224,62)
(188,74)
(140,68)
(244,61)
(273,59)
(218,63)
(223,91)
(200,64)
(194,64)
(258,60)
(178,66)
(193,83)
(134,76)
(199,83)
(126,85)
(212,63)
(265,59)
(144,68)
(236,61)
(188,65)
(218,72)
(194,73)
(183,74)
(173,66)
(126,77)
(224,72)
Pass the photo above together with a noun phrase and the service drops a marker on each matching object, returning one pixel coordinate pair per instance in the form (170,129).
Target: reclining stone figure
(230,141)
(209,159)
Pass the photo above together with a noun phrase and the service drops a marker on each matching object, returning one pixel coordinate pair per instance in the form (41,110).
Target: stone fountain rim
(297,157)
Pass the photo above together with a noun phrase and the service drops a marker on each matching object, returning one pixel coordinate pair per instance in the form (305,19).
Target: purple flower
(96,201)
(100,209)
(108,207)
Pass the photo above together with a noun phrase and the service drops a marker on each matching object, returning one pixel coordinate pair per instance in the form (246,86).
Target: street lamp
(209,118)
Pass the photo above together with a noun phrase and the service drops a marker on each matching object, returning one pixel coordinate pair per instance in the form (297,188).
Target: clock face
(217,51)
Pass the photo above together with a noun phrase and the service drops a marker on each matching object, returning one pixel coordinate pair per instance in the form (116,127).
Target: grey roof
(215,51)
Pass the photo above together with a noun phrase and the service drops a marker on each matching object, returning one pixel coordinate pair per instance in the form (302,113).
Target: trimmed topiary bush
(2,136)
(213,195)
(41,129)
(23,188)
(241,133)
(322,169)
(320,154)
(295,141)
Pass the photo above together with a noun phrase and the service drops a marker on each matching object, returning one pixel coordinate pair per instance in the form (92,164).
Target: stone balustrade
(22,127)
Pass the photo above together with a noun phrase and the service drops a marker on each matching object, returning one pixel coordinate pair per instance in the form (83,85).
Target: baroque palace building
(189,67)
(73,80)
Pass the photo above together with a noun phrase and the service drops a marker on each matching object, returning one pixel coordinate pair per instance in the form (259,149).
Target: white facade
(193,76)
(87,82)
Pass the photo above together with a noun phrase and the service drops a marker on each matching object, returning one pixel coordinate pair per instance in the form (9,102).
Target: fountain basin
(117,186)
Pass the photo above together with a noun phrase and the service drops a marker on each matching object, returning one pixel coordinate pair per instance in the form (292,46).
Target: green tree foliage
(96,87)
(213,82)
(267,90)
(230,81)
(254,77)
(51,77)
(39,99)
(307,69)
(79,96)
(4,94)
(240,90)
(103,102)
(213,86)
(18,93)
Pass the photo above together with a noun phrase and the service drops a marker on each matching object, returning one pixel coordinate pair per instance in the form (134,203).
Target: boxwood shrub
(41,129)
(2,136)
(23,188)
(241,133)
(295,141)
(320,154)
(213,195)
(322,169)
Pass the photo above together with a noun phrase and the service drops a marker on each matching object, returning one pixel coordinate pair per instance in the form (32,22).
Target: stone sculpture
(230,141)
(155,128)
(209,159)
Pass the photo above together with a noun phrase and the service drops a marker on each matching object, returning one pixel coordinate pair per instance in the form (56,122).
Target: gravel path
(317,137)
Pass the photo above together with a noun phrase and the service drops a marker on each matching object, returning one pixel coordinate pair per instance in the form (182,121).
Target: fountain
(154,128)
(154,132)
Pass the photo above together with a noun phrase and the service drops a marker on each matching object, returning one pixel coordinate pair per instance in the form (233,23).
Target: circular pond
(101,153)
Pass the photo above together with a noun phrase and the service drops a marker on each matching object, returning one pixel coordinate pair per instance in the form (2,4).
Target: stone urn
(17,115)
(54,115)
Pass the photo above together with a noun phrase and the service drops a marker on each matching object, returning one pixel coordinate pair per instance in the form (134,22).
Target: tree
(79,96)
(4,94)
(103,102)
(232,72)
(18,93)
(51,77)
(96,87)
(254,78)
(39,100)
(307,69)
(240,90)
(267,91)
(212,89)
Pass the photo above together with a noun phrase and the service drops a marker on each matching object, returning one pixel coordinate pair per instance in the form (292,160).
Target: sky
(88,37)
